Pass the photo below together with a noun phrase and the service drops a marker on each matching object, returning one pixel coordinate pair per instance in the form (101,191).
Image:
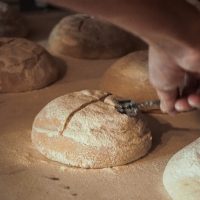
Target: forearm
(146,18)
(170,27)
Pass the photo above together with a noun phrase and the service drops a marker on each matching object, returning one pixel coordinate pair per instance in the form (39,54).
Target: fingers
(182,105)
(166,77)
(194,100)
(167,100)
(189,103)
(189,60)
(190,98)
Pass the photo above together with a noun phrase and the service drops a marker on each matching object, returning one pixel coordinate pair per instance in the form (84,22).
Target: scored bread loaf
(84,129)
(83,36)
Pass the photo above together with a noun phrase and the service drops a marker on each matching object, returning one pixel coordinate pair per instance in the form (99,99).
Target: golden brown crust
(128,78)
(25,66)
(96,136)
(82,36)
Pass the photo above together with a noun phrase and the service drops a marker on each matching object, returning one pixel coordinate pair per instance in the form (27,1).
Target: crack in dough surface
(80,108)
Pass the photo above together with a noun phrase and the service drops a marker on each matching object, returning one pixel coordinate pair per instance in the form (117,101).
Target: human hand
(175,73)
(172,30)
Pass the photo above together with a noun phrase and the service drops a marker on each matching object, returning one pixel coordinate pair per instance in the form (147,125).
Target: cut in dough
(128,78)
(182,174)
(82,36)
(83,129)
(25,66)
(11,23)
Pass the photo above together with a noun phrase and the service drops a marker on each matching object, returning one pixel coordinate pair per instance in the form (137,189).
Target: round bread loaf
(84,129)
(182,174)
(128,78)
(25,66)
(82,36)
(11,23)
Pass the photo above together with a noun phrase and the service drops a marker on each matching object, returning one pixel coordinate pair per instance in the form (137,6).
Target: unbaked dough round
(128,78)
(84,129)
(182,174)
(25,66)
(11,23)
(82,36)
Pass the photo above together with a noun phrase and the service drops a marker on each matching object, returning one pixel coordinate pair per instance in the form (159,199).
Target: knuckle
(162,80)
(191,61)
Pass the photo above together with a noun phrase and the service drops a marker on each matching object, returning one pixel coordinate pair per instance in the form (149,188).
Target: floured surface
(26,174)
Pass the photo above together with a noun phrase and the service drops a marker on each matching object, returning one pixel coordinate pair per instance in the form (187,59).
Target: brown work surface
(27,175)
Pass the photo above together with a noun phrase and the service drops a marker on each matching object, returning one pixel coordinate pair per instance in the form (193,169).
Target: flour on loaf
(84,129)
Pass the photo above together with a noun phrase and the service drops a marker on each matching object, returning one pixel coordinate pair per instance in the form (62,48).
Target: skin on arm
(172,30)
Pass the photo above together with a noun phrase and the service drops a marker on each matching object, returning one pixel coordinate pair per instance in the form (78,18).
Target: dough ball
(82,36)
(84,129)
(11,23)
(128,78)
(25,66)
(182,174)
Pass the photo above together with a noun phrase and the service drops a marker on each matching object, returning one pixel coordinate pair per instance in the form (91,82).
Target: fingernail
(179,107)
(194,101)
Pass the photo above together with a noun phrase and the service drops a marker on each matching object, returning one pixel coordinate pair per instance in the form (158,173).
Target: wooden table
(26,175)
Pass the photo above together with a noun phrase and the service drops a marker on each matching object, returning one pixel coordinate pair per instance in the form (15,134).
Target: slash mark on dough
(79,109)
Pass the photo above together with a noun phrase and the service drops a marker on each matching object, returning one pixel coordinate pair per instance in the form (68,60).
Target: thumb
(166,76)
(167,100)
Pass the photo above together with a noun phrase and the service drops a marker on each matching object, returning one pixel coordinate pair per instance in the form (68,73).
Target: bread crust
(83,36)
(25,66)
(96,135)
